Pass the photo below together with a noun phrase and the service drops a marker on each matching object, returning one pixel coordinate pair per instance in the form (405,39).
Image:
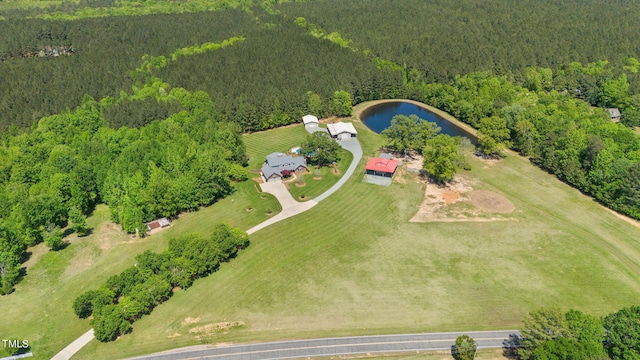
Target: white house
(310,121)
(342,131)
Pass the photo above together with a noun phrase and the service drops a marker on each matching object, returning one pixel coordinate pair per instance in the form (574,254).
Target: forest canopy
(56,173)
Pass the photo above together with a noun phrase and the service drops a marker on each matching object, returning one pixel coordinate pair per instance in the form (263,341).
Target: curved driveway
(290,208)
(340,346)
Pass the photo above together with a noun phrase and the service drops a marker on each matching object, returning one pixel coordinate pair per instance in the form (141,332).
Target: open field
(315,187)
(40,308)
(355,265)
(482,354)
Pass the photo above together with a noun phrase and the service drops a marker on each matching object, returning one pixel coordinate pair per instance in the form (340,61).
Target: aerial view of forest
(115,113)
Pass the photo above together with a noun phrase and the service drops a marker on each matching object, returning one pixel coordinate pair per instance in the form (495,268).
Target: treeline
(442,38)
(550,334)
(565,136)
(320,47)
(277,75)
(55,174)
(74,10)
(126,297)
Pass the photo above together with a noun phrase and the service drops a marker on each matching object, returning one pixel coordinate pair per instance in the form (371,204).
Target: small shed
(310,121)
(342,131)
(158,224)
(615,114)
(381,167)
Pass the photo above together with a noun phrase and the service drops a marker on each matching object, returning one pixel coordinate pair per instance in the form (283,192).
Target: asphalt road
(339,346)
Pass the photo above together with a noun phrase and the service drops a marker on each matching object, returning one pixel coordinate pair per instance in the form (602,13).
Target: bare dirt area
(212,329)
(490,201)
(459,202)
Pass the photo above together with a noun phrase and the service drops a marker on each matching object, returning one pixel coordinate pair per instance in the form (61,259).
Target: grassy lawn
(41,305)
(354,265)
(315,187)
(482,354)
(263,143)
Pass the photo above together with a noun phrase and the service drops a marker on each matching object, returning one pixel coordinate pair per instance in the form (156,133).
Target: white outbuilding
(342,131)
(310,121)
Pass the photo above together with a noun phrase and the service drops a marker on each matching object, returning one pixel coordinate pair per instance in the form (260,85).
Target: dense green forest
(52,176)
(275,67)
(443,38)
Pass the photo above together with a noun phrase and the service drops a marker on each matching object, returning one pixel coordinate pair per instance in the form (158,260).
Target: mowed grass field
(260,144)
(355,265)
(315,187)
(40,308)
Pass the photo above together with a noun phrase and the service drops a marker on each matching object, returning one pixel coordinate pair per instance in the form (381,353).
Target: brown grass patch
(458,202)
(302,184)
(490,201)
(212,329)
(317,178)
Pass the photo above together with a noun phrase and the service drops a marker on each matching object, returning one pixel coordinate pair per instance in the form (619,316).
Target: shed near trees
(157,224)
(615,114)
(381,167)
(310,121)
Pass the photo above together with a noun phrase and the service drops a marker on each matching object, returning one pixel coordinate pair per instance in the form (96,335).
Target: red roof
(382,165)
(153,225)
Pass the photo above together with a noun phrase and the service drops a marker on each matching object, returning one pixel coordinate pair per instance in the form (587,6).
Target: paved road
(338,346)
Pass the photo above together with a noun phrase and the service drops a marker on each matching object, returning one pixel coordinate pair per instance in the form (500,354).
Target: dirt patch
(317,178)
(335,171)
(298,184)
(190,320)
(450,197)
(490,201)
(631,221)
(453,203)
(212,329)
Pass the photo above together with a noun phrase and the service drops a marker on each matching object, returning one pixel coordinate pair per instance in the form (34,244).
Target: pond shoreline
(362,108)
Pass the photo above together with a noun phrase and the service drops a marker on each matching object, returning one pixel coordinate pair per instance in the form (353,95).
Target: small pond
(378,118)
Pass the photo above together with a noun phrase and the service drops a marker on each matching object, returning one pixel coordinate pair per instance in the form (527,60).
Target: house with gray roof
(280,164)
(615,114)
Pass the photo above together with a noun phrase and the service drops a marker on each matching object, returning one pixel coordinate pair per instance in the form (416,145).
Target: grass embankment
(482,354)
(40,309)
(354,265)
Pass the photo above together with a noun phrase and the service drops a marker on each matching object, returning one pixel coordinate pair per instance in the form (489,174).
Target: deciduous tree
(540,326)
(442,157)
(493,135)
(320,149)
(465,348)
